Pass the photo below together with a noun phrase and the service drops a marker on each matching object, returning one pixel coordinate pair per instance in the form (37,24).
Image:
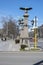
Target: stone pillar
(24,34)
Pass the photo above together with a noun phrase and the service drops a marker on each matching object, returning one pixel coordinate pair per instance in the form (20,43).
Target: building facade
(40,31)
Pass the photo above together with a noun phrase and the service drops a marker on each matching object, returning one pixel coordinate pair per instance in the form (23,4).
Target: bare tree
(10,27)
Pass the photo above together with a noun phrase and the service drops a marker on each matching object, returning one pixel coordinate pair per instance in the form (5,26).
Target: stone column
(24,34)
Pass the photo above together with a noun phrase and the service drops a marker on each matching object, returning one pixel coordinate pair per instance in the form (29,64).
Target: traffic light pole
(35,41)
(35,32)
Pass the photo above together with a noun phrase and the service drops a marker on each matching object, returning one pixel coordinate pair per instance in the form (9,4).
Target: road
(20,58)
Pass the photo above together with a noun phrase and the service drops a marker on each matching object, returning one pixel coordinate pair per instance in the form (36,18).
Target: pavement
(10,45)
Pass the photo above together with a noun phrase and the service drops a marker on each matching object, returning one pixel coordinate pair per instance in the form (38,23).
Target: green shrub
(23,46)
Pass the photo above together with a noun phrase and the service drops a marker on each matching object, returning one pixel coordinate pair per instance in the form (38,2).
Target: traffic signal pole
(35,41)
(35,33)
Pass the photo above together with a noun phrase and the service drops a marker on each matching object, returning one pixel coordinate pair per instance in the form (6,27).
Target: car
(33,39)
(3,39)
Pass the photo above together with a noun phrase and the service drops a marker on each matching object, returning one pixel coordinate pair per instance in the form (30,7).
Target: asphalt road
(20,58)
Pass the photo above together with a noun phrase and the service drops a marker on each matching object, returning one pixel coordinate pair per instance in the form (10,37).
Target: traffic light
(32,22)
(21,21)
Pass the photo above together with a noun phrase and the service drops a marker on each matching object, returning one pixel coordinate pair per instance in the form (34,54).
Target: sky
(11,8)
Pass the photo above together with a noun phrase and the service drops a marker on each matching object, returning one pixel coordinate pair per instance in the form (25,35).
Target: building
(40,31)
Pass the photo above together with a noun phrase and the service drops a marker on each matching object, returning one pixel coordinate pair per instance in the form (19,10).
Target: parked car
(33,39)
(3,39)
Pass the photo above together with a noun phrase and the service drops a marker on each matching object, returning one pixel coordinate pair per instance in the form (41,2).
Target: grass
(35,49)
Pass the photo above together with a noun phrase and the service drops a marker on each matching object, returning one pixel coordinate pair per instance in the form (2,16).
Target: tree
(10,28)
